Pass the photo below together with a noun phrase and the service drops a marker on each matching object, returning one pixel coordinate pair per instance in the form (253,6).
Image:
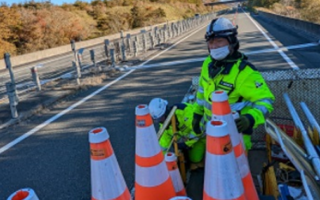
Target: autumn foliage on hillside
(34,26)
(308,10)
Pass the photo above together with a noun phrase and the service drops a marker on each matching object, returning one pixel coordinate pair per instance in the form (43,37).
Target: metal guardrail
(127,46)
(305,26)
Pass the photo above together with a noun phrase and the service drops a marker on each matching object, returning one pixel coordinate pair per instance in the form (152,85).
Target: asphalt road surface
(54,159)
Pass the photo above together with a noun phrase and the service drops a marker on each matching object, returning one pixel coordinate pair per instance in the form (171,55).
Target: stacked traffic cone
(24,194)
(221,110)
(235,116)
(107,182)
(171,161)
(152,179)
(180,198)
(222,178)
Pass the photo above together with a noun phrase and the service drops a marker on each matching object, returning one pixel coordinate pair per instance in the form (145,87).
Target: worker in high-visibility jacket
(228,69)
(187,139)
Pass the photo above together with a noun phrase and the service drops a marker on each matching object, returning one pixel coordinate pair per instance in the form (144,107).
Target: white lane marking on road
(57,116)
(177,62)
(284,56)
(298,46)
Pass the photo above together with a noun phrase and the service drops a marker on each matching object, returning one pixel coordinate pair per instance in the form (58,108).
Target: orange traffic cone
(222,177)
(24,194)
(235,116)
(107,182)
(171,161)
(221,110)
(152,179)
(247,180)
(180,198)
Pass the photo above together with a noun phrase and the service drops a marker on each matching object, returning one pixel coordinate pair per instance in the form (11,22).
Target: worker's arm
(199,104)
(255,90)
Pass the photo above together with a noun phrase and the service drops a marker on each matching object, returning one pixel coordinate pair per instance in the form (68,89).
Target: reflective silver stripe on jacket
(263,109)
(200,89)
(240,105)
(207,105)
(200,102)
(267,101)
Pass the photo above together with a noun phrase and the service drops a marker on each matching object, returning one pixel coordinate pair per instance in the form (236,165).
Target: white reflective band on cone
(31,196)
(235,116)
(102,180)
(170,157)
(152,176)
(147,138)
(243,165)
(176,180)
(222,183)
(232,128)
(180,198)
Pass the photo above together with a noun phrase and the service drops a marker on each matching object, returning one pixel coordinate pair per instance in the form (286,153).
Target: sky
(56,2)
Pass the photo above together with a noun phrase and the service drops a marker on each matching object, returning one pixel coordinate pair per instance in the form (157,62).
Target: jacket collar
(229,61)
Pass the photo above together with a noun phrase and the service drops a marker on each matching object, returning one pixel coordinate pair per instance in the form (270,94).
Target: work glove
(243,123)
(196,123)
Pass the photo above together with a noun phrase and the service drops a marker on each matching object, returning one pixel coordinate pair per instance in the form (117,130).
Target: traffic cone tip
(142,109)
(170,157)
(235,115)
(98,135)
(20,195)
(180,198)
(24,194)
(217,128)
(219,96)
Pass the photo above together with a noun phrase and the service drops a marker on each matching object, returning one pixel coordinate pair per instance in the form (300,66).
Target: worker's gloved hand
(243,123)
(196,123)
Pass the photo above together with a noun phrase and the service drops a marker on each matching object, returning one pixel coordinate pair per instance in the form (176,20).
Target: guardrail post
(106,47)
(169,32)
(112,57)
(9,67)
(11,91)
(144,42)
(93,59)
(121,36)
(155,30)
(172,30)
(79,60)
(123,52)
(135,49)
(164,36)
(129,42)
(78,72)
(137,40)
(35,77)
(151,40)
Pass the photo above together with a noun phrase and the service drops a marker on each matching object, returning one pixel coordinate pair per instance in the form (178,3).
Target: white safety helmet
(222,27)
(157,108)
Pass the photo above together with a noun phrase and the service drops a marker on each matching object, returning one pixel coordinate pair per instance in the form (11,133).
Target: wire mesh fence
(301,86)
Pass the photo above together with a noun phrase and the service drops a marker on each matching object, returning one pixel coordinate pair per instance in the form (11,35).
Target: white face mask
(220,53)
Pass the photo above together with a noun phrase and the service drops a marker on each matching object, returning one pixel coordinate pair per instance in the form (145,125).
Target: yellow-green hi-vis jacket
(184,117)
(248,92)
